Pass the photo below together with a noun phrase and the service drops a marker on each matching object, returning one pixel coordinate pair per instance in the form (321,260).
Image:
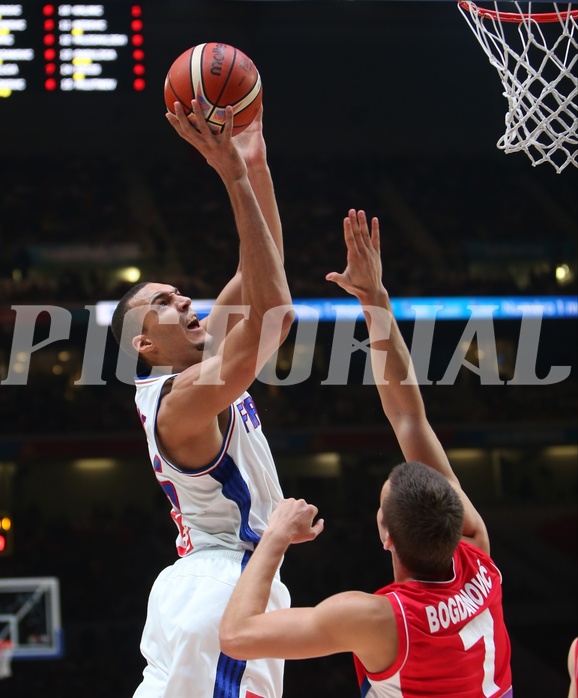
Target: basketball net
(5,659)
(536,65)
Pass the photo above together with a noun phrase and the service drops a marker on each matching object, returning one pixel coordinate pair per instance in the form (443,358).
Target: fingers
(357,232)
(188,126)
(359,226)
(375,235)
(300,507)
(182,122)
(334,276)
(318,527)
(228,127)
(351,235)
(199,121)
(296,516)
(363,229)
(342,280)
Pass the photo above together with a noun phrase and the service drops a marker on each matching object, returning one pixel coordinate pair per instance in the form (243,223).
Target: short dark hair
(424,516)
(124,305)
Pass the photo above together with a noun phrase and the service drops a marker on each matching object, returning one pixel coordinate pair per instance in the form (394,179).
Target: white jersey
(227,503)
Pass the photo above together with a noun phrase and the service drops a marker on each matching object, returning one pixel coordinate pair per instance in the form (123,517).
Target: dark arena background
(387,106)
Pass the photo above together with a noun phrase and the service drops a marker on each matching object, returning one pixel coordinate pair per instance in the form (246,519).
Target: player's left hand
(219,150)
(363,274)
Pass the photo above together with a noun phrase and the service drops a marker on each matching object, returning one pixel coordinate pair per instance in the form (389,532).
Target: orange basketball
(217,75)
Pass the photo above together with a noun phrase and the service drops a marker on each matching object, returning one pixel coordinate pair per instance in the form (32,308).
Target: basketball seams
(191,73)
(226,80)
(247,102)
(192,84)
(176,96)
(216,102)
(196,72)
(250,96)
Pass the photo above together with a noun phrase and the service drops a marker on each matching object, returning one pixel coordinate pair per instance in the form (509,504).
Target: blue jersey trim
(235,489)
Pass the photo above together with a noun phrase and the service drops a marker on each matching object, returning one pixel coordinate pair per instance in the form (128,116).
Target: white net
(535,55)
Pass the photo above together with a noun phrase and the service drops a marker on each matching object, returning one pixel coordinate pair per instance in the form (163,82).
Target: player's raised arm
(254,206)
(392,366)
(251,144)
(206,388)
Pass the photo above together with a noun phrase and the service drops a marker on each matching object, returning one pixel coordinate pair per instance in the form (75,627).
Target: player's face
(171,330)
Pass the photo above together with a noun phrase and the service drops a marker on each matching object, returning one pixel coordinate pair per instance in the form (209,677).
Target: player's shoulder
(361,605)
(468,549)
(150,388)
(369,624)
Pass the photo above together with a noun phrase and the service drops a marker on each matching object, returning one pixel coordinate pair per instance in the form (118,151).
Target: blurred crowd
(448,228)
(69,226)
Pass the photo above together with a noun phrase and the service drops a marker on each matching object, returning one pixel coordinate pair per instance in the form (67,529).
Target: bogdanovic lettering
(467,602)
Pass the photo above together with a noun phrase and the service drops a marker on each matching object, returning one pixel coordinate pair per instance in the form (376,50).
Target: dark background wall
(391,106)
(372,77)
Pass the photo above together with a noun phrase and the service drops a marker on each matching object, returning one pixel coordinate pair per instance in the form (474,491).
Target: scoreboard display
(65,47)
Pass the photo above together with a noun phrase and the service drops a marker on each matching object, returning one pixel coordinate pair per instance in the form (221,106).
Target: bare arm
(251,144)
(391,361)
(347,622)
(187,416)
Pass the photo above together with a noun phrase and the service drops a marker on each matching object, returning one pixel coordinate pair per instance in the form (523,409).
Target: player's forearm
(390,357)
(264,283)
(251,594)
(404,407)
(262,184)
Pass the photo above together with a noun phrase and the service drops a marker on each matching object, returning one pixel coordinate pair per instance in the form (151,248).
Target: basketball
(217,75)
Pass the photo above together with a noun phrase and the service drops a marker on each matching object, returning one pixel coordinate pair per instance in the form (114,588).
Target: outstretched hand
(219,149)
(362,275)
(292,519)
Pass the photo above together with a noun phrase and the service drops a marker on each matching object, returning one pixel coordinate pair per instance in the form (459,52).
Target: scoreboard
(65,47)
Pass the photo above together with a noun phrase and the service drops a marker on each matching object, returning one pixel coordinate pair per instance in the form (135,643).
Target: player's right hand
(218,149)
(293,520)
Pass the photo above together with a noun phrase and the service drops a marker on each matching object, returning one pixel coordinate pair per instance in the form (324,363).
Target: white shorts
(180,640)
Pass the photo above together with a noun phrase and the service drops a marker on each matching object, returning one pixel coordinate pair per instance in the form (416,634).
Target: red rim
(517,17)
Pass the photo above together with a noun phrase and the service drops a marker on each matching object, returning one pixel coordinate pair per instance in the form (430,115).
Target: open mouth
(193,323)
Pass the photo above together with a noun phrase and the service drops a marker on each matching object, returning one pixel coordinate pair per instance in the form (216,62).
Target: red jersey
(453,642)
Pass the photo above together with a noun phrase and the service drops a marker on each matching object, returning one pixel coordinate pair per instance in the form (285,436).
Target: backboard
(30,618)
